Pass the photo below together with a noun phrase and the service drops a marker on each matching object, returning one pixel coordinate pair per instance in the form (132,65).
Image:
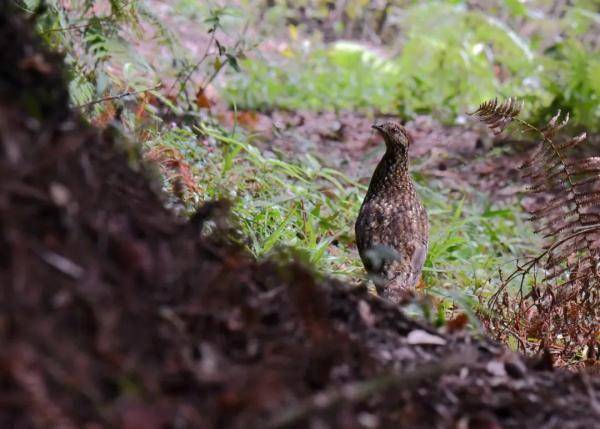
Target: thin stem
(195,67)
(117,97)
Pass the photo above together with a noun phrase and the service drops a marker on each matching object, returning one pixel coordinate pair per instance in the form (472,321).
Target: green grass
(277,202)
(281,203)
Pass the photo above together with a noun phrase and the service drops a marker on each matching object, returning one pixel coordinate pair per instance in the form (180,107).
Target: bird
(392,228)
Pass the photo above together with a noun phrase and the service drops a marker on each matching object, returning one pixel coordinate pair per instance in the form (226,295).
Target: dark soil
(115,313)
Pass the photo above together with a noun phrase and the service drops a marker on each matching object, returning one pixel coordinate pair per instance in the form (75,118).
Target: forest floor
(457,156)
(117,313)
(466,173)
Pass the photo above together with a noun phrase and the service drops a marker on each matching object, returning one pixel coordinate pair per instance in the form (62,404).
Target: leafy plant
(222,56)
(89,40)
(573,77)
(447,61)
(108,71)
(449,57)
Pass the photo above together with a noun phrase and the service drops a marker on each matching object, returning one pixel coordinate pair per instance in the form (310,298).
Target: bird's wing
(418,257)
(416,262)
(358,232)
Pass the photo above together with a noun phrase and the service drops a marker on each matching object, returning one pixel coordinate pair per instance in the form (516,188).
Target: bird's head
(395,136)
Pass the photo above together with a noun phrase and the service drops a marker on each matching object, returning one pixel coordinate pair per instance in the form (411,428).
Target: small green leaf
(233,62)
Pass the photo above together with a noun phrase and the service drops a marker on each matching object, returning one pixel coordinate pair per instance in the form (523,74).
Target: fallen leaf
(458,323)
(202,100)
(106,116)
(420,337)
(208,98)
(496,368)
(248,119)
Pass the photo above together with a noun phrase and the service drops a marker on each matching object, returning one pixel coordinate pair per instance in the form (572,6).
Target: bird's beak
(377,127)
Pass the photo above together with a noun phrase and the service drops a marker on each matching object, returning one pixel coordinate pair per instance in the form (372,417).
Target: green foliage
(276,202)
(96,38)
(470,239)
(450,58)
(90,41)
(298,203)
(334,78)
(446,66)
(573,77)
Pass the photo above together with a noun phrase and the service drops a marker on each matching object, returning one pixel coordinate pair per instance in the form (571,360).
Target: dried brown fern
(559,304)
(498,116)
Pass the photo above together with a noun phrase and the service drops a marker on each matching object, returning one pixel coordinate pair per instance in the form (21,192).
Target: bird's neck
(391,173)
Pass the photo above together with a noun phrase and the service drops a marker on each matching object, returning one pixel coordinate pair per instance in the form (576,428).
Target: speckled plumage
(392,229)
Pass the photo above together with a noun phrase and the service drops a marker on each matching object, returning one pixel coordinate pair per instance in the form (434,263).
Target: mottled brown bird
(392,229)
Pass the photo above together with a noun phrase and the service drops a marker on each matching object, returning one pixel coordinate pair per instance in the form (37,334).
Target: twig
(62,264)
(195,67)
(359,391)
(117,97)
(517,337)
(69,28)
(214,74)
(526,268)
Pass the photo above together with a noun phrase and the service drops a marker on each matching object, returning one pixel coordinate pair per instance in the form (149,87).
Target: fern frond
(584,166)
(588,200)
(573,142)
(554,126)
(550,207)
(584,183)
(550,174)
(498,116)
(541,151)
(565,275)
